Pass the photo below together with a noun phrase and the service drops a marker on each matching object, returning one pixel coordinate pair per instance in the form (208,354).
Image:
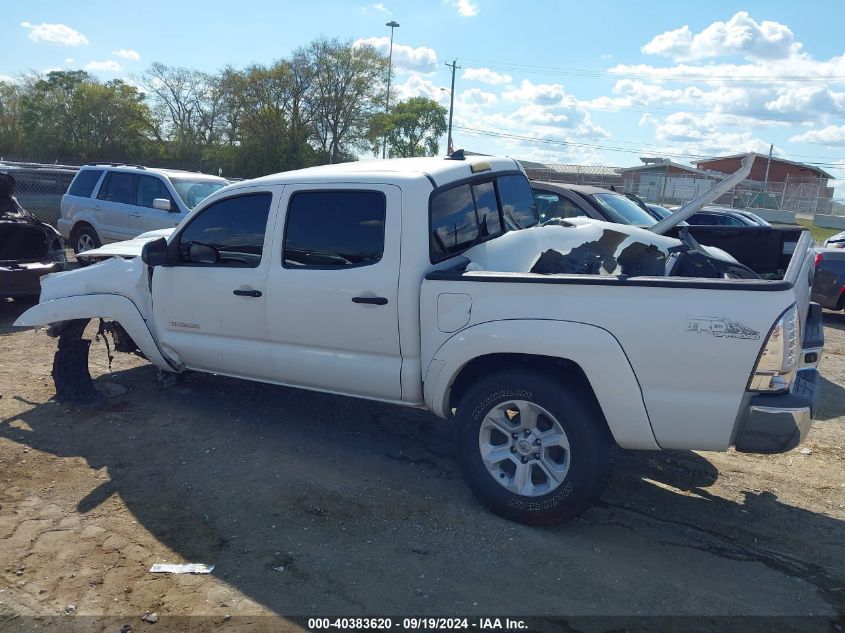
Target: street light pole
(392,24)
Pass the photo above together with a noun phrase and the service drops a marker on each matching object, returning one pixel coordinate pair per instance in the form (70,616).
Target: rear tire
(532,449)
(84,238)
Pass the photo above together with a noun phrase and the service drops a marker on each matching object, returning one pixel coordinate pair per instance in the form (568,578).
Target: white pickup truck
(426,283)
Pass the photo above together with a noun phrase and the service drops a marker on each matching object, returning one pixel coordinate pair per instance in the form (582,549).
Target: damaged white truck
(427,283)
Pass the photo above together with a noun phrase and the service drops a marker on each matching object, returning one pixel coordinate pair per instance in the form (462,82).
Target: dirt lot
(315,504)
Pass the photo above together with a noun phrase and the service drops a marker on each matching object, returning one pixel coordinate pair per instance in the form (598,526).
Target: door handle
(377,301)
(247,293)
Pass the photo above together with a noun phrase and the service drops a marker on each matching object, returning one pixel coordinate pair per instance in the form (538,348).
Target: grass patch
(819,234)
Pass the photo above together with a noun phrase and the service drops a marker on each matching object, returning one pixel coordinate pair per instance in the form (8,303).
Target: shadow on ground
(362,505)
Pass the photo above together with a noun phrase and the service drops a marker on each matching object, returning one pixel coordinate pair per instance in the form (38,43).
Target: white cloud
(741,35)
(487,76)
(541,111)
(807,99)
(378,7)
(832,135)
(54,34)
(418,86)
(466,8)
(543,94)
(476,97)
(7,79)
(108,65)
(701,134)
(420,59)
(127,53)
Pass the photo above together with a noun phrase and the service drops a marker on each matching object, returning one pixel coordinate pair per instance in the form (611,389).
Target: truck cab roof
(439,170)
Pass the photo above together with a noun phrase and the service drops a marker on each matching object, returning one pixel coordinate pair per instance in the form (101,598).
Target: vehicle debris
(590,247)
(29,247)
(185,568)
(152,618)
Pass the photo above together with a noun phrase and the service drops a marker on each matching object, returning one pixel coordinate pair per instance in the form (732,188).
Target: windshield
(622,210)
(193,192)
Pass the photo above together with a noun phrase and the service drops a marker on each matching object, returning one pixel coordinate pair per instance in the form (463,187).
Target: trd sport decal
(721,327)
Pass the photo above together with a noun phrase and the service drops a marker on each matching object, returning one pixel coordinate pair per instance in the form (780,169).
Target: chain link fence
(39,187)
(802,195)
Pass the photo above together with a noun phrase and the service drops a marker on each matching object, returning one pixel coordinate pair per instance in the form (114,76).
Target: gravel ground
(316,504)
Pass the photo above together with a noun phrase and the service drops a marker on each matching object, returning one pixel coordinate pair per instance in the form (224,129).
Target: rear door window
(118,187)
(334,229)
(84,183)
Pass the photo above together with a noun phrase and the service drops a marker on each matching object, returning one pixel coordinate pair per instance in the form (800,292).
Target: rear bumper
(776,423)
(64,225)
(24,280)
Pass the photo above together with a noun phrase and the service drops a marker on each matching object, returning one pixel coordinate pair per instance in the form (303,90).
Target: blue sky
(572,82)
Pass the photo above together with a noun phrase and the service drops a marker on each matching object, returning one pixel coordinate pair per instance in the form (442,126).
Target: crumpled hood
(518,251)
(127,248)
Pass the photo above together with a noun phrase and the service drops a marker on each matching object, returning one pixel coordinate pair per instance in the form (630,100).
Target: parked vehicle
(829,282)
(725,216)
(428,283)
(112,202)
(658,211)
(558,201)
(29,247)
(835,241)
(39,187)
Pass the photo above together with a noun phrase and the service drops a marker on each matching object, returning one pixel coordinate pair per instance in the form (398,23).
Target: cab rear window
(471,213)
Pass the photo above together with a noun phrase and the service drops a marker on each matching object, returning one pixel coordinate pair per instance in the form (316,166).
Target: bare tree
(346,90)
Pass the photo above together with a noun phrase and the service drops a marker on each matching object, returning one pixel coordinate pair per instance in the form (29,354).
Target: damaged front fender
(106,306)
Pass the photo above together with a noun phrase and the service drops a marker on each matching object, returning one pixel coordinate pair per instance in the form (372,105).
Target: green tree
(347,89)
(70,116)
(411,128)
(11,133)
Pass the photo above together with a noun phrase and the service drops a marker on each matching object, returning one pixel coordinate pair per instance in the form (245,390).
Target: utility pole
(454,67)
(392,24)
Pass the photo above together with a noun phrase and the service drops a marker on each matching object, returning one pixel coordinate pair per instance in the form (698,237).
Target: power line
(665,73)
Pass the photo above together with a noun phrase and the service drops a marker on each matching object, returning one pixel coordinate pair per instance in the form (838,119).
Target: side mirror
(154,253)
(162,204)
(203,253)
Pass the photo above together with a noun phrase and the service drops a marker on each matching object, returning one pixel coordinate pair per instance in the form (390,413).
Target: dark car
(829,282)
(725,216)
(29,247)
(558,201)
(661,213)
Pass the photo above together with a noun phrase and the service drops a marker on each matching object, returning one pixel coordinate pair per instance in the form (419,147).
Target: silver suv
(114,202)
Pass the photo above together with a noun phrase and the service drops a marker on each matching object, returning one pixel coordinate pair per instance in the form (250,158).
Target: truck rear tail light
(818,259)
(778,361)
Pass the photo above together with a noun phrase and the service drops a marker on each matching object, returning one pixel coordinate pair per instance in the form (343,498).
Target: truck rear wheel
(532,449)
